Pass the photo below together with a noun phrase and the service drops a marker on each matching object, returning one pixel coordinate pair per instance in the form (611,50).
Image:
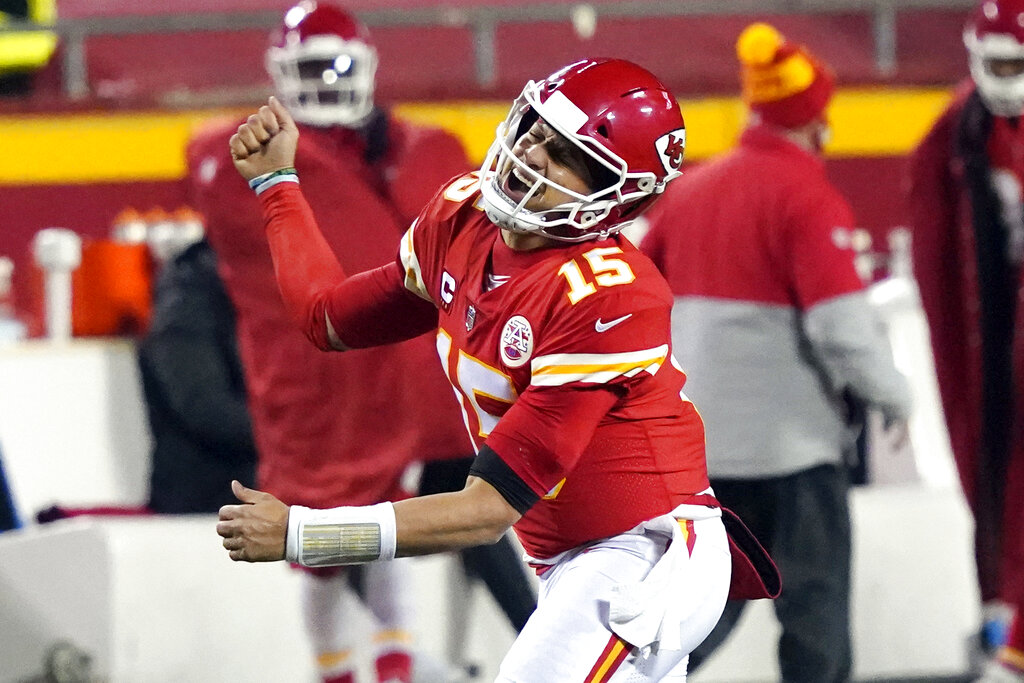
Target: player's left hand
(254,531)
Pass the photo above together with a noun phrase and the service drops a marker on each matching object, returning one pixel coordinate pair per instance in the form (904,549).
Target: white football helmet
(323,65)
(994,34)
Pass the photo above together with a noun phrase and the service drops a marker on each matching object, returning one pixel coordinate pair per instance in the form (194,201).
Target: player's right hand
(265,142)
(256,530)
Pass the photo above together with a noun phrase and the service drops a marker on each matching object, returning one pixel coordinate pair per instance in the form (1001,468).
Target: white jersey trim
(558,369)
(413,273)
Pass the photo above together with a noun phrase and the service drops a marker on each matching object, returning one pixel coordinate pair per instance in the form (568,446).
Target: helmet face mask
(585,105)
(994,38)
(323,66)
(506,170)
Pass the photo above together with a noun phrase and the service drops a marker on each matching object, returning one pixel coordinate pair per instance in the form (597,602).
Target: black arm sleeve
(489,466)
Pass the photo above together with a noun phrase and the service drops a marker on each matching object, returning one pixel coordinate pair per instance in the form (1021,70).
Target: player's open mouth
(517,184)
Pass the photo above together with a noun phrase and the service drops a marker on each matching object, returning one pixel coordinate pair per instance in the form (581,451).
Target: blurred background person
(194,388)
(192,385)
(340,430)
(965,204)
(773,328)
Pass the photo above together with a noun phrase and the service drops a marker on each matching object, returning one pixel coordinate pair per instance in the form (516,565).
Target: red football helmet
(629,129)
(323,65)
(994,37)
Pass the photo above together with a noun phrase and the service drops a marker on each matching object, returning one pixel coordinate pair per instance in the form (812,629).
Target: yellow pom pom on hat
(781,81)
(758,44)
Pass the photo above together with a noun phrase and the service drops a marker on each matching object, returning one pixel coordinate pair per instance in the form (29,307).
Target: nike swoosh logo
(605,326)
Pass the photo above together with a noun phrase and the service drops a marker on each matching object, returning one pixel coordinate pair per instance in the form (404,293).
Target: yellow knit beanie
(781,81)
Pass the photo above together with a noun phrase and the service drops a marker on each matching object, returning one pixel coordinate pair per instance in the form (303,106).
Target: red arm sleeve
(369,309)
(375,308)
(543,435)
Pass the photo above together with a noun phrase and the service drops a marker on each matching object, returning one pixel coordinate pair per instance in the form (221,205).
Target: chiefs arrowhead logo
(670,149)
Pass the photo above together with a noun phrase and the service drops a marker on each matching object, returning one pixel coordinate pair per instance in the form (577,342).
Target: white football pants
(569,639)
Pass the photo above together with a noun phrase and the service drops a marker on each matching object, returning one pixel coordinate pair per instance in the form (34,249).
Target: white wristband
(344,535)
(291,540)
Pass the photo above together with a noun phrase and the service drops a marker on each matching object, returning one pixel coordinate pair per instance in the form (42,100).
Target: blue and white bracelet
(262,183)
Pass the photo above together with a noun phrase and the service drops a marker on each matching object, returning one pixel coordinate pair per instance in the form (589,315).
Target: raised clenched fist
(265,142)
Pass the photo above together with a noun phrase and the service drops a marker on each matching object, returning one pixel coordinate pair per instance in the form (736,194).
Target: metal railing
(482,22)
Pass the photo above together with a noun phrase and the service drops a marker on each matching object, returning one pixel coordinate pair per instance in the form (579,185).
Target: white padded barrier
(73,425)
(156,600)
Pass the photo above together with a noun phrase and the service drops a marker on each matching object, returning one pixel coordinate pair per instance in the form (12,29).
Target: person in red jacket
(773,327)
(554,331)
(341,430)
(965,203)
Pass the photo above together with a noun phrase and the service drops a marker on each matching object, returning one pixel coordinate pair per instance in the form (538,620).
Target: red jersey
(332,429)
(571,319)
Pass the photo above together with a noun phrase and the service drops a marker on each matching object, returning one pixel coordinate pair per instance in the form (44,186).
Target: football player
(554,331)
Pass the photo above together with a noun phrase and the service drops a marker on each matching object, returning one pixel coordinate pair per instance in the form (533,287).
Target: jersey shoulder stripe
(425,242)
(411,265)
(558,369)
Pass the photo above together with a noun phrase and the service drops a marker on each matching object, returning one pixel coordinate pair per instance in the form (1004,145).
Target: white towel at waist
(648,613)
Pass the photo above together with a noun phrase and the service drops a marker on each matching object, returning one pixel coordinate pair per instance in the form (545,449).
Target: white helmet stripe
(560,112)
